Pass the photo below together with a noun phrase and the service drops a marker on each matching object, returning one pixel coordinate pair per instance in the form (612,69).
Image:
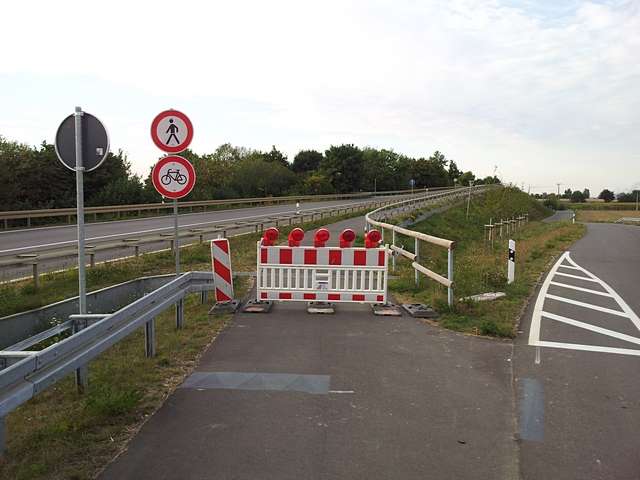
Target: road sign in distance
(173,176)
(95,142)
(171,131)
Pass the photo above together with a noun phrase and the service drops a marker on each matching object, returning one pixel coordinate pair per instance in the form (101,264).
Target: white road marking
(589,348)
(587,305)
(570,267)
(593,328)
(539,313)
(577,276)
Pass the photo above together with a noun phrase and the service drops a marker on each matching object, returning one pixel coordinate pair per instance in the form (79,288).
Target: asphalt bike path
(576,363)
(289,395)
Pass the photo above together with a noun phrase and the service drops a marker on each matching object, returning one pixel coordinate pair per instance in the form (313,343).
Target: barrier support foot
(225,307)
(257,306)
(420,310)
(386,310)
(320,307)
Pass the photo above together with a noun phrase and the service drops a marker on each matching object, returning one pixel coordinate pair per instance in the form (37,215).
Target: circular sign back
(95,142)
(173,176)
(172,131)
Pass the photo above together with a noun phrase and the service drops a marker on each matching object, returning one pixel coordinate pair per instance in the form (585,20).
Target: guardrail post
(150,338)
(417,260)
(450,276)
(3,437)
(82,373)
(180,313)
(36,277)
(92,259)
(28,221)
(136,249)
(204,296)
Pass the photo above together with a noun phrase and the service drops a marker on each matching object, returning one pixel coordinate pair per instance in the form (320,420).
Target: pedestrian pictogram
(172,131)
(173,176)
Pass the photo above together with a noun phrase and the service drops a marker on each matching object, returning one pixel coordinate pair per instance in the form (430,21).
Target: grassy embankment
(62,435)
(480,268)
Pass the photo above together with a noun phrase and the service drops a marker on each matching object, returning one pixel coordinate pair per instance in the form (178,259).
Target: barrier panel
(319,273)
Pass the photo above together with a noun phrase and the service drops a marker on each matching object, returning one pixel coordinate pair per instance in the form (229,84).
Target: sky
(546,91)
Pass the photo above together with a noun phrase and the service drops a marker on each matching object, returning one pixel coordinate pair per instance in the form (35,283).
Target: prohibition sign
(171,131)
(173,176)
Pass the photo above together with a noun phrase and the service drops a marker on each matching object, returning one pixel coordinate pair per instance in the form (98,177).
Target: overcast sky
(548,91)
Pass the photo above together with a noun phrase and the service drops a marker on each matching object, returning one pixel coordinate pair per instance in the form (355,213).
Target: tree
(255,177)
(577,197)
(606,195)
(343,165)
(628,197)
(586,193)
(306,161)
(431,172)
(567,194)
(454,172)
(275,156)
(466,178)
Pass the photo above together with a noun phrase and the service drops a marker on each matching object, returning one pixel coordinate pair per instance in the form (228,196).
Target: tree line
(35,179)
(577,196)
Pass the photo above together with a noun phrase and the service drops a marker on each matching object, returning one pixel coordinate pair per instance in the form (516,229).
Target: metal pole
(176,246)
(450,277)
(469,200)
(82,377)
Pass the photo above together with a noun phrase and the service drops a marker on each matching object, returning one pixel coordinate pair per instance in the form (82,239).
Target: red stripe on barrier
(263,294)
(335,258)
(381,255)
(284,296)
(221,297)
(357,298)
(359,257)
(222,245)
(263,255)
(221,271)
(310,257)
(333,296)
(380,298)
(309,296)
(286,256)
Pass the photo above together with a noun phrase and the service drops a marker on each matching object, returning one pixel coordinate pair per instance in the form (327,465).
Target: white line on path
(539,313)
(587,305)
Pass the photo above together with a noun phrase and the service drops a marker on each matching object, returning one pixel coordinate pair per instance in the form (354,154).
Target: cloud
(546,90)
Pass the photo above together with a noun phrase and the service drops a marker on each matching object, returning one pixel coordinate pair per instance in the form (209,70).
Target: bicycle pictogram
(173,175)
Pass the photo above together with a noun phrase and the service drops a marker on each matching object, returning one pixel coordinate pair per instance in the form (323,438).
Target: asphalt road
(579,407)
(20,241)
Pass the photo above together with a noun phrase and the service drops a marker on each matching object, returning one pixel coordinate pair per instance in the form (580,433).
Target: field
(604,215)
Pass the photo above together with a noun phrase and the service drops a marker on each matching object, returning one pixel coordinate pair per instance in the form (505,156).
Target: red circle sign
(173,176)
(171,131)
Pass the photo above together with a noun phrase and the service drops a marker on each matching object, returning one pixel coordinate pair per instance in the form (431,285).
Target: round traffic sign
(95,142)
(173,176)
(172,131)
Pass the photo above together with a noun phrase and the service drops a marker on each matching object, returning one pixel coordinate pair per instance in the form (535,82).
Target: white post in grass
(511,264)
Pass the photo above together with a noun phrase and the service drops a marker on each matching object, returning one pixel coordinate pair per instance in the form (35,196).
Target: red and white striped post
(222,275)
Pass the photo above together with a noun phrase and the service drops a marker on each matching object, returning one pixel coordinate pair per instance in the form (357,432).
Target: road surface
(578,395)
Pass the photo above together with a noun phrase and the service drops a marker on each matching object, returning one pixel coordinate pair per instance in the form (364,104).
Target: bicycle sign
(171,131)
(173,176)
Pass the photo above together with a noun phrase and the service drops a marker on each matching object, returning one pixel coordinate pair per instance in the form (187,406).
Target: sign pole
(81,373)
(175,235)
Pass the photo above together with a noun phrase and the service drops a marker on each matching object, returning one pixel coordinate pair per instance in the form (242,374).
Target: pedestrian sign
(173,176)
(172,131)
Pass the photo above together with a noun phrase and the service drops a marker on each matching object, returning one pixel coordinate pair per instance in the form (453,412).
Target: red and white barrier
(222,274)
(323,274)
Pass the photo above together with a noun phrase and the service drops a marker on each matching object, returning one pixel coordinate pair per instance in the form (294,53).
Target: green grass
(480,268)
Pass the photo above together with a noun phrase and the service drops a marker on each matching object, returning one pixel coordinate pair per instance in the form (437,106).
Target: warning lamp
(270,236)
(321,237)
(346,238)
(295,237)
(372,239)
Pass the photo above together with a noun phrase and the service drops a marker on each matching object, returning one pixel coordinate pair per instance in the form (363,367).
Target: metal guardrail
(70,213)
(411,204)
(26,372)
(36,258)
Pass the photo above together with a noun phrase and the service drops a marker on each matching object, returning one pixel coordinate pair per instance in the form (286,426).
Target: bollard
(511,262)
(393,257)
(150,338)
(450,276)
